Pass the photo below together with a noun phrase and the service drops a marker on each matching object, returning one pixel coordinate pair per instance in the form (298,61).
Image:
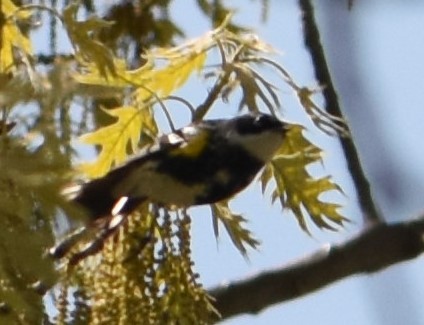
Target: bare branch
(370,212)
(370,251)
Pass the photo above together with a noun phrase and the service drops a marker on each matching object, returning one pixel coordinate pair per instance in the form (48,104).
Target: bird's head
(260,135)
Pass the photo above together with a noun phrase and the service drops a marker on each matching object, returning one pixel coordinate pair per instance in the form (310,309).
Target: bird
(202,163)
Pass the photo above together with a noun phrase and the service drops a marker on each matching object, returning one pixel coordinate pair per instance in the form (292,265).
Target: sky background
(375,53)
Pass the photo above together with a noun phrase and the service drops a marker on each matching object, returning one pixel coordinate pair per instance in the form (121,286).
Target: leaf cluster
(30,184)
(296,189)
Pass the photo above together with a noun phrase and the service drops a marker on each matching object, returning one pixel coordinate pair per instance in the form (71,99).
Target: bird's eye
(257,124)
(264,122)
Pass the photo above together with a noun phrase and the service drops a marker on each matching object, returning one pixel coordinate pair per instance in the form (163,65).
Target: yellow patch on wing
(193,147)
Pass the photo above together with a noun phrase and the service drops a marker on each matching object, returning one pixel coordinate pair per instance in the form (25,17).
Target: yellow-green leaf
(114,139)
(296,188)
(233,223)
(164,71)
(149,80)
(165,81)
(11,36)
(266,176)
(81,36)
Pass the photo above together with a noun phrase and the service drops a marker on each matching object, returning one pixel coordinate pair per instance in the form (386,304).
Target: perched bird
(202,163)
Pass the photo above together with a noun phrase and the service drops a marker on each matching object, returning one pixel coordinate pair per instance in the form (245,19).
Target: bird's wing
(101,196)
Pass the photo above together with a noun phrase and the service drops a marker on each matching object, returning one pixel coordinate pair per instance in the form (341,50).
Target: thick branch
(372,250)
(322,73)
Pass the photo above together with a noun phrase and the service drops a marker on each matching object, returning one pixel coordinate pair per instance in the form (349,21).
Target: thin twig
(184,101)
(370,212)
(203,109)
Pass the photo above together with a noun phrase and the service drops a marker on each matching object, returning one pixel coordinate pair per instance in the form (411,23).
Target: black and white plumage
(202,163)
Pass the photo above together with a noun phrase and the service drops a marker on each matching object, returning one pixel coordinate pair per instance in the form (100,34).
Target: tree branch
(322,73)
(372,250)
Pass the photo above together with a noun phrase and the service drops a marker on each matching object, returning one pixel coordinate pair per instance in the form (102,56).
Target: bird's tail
(105,214)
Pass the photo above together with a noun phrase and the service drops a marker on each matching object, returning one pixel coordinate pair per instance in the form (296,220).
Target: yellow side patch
(193,147)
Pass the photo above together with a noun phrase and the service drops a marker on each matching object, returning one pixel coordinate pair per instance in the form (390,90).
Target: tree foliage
(144,273)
